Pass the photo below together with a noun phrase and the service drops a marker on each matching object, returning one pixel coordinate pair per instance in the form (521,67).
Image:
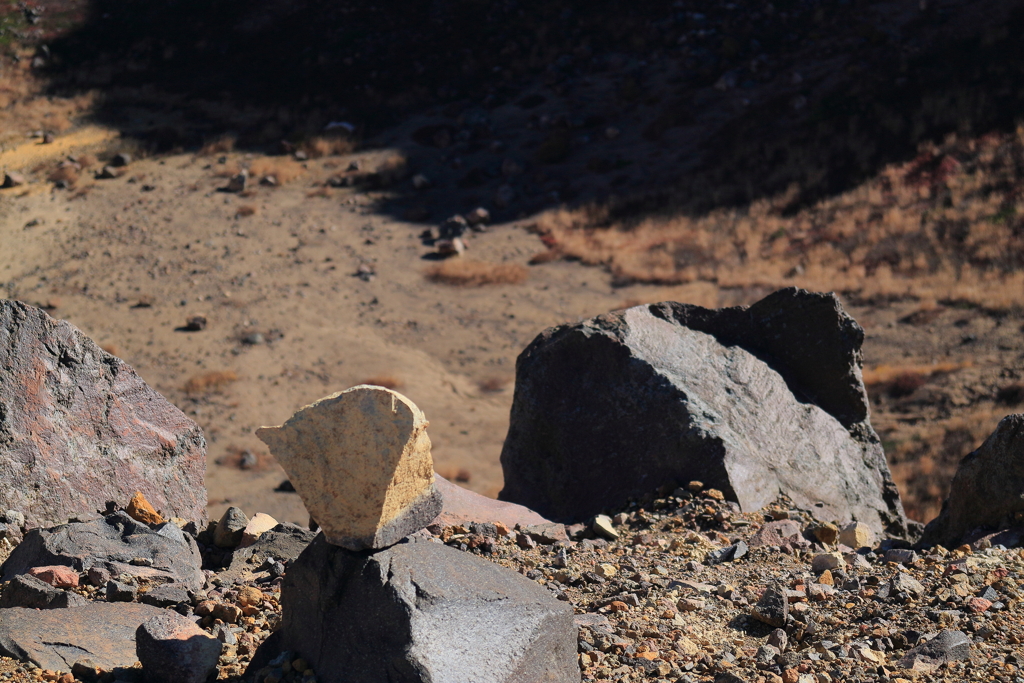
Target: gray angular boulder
(28,591)
(986,490)
(115,544)
(753,401)
(283,543)
(79,427)
(173,649)
(56,639)
(419,611)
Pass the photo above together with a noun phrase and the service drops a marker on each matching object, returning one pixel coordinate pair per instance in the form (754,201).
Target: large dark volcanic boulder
(419,611)
(112,544)
(986,490)
(754,401)
(78,428)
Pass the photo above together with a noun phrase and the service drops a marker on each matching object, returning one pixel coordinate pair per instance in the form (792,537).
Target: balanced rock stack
(408,609)
(360,460)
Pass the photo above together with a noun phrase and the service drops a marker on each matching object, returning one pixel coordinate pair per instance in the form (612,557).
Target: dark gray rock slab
(55,639)
(420,611)
(753,401)
(284,543)
(985,491)
(67,407)
(946,646)
(172,649)
(28,591)
(164,595)
(112,543)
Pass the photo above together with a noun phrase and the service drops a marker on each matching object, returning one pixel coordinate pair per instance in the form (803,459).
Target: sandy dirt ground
(289,318)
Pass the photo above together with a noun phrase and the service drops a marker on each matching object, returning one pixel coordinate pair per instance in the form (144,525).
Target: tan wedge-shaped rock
(360,460)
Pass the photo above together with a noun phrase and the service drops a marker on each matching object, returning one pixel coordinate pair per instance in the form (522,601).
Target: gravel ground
(655,600)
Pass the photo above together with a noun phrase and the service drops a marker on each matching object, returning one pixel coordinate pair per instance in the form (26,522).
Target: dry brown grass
(65,172)
(227,170)
(923,458)
(221,145)
(494,385)
(326,146)
(210,382)
(884,374)
(283,169)
(468,273)
(459,474)
(386,381)
(946,226)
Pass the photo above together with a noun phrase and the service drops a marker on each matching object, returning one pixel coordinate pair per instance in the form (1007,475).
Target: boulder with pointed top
(985,494)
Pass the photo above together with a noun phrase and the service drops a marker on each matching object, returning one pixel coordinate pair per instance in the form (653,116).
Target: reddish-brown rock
(462,506)
(79,427)
(56,575)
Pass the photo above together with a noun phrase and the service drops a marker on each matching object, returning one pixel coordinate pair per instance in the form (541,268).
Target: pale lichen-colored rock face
(360,460)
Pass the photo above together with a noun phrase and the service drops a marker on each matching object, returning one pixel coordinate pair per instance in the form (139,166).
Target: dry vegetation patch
(210,382)
(946,226)
(468,273)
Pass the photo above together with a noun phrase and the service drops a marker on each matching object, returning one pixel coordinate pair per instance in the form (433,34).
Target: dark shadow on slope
(675,107)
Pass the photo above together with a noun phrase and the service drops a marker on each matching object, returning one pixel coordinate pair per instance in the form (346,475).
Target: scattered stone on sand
(120,159)
(257,526)
(450,247)
(464,506)
(72,408)
(12,179)
(172,649)
(230,527)
(238,182)
(140,510)
(985,491)
(360,460)
(602,526)
(419,611)
(113,543)
(57,638)
(28,591)
(750,400)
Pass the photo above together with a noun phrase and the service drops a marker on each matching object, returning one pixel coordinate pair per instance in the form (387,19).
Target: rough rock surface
(283,543)
(28,591)
(55,639)
(420,611)
(463,506)
(78,427)
(172,649)
(946,646)
(110,543)
(752,401)
(229,530)
(986,489)
(360,460)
